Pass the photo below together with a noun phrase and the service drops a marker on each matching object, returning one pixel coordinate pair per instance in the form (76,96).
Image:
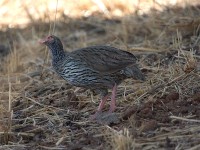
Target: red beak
(47,39)
(42,41)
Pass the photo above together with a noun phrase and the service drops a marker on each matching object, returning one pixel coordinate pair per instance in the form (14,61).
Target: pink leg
(113,100)
(101,105)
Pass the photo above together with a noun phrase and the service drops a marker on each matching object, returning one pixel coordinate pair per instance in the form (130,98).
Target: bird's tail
(133,72)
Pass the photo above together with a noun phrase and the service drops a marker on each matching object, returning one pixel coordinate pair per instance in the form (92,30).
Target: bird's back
(104,59)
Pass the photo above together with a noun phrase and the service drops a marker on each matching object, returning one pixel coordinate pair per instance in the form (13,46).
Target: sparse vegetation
(39,110)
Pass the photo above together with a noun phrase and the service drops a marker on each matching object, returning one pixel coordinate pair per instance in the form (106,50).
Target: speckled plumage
(98,68)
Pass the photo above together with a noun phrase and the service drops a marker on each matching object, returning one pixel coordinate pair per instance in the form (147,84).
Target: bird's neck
(57,52)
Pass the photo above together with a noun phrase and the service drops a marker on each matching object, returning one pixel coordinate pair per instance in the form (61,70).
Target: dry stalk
(121,140)
(184,119)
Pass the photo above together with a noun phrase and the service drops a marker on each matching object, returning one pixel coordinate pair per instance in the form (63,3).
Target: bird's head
(54,44)
(49,40)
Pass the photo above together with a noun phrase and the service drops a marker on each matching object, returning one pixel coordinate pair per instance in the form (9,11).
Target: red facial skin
(47,39)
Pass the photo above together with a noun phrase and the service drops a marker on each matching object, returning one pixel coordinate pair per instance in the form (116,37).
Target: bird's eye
(50,38)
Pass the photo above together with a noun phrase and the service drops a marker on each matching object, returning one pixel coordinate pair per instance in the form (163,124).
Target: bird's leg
(113,100)
(101,105)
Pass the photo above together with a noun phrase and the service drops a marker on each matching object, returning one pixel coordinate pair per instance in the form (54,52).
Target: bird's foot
(112,109)
(105,118)
(96,115)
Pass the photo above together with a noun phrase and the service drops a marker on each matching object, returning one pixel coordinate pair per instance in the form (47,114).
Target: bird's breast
(75,73)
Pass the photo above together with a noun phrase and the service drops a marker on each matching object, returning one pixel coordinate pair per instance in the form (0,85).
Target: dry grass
(121,140)
(41,111)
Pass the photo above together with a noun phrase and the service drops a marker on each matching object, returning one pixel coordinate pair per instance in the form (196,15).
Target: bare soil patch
(39,110)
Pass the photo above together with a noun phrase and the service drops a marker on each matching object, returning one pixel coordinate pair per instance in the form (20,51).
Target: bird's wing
(104,59)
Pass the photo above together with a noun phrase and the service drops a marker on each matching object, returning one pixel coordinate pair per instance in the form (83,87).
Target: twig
(35,102)
(184,119)
(19,133)
(60,141)
(54,25)
(56,148)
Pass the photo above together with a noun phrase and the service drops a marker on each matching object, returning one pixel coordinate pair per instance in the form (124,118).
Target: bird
(98,68)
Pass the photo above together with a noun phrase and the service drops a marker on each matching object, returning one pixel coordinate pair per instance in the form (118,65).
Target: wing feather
(104,59)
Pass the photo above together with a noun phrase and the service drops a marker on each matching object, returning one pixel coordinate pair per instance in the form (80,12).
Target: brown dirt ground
(161,113)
